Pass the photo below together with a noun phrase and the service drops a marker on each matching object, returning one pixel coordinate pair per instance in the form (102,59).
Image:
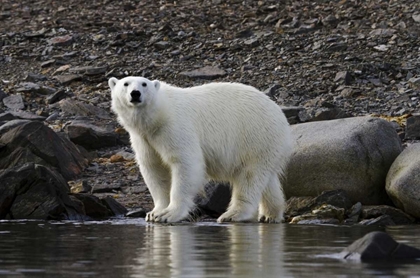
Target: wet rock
(91,136)
(35,142)
(397,216)
(14,102)
(216,199)
(138,213)
(93,206)
(33,191)
(298,205)
(205,73)
(403,181)
(365,147)
(383,220)
(116,208)
(412,129)
(353,214)
(379,246)
(74,107)
(309,219)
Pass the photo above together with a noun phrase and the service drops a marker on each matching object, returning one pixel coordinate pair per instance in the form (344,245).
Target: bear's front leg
(188,178)
(158,181)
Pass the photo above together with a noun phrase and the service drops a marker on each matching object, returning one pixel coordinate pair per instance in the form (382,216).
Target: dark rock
(298,205)
(379,246)
(354,213)
(384,220)
(4,117)
(412,129)
(106,187)
(397,215)
(35,192)
(162,45)
(138,213)
(79,108)
(205,73)
(80,187)
(272,91)
(14,102)
(325,114)
(2,95)
(91,136)
(57,96)
(30,87)
(35,141)
(291,111)
(33,77)
(216,199)
(116,208)
(93,206)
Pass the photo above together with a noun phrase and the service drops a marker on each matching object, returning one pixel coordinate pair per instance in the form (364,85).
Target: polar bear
(183,137)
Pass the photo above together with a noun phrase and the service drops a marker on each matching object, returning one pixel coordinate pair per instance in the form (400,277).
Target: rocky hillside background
(324,59)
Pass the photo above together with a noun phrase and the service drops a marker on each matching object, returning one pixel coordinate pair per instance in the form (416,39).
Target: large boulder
(35,142)
(403,180)
(377,246)
(90,136)
(34,191)
(353,154)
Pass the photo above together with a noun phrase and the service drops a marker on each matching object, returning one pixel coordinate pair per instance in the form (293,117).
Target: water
(133,248)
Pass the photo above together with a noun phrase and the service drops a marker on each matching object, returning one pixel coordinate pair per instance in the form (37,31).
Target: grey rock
(397,216)
(79,108)
(205,73)
(379,246)
(352,154)
(61,40)
(68,78)
(27,116)
(343,77)
(11,124)
(91,136)
(30,87)
(33,77)
(88,70)
(14,102)
(106,187)
(162,45)
(216,199)
(403,180)
(325,114)
(412,128)
(57,96)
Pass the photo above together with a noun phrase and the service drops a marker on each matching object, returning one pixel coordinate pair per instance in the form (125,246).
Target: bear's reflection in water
(235,250)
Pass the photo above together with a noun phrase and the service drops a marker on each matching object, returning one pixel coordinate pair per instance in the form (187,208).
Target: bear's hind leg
(272,203)
(247,189)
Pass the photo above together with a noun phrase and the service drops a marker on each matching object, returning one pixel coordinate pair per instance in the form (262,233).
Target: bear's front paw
(151,216)
(235,216)
(170,215)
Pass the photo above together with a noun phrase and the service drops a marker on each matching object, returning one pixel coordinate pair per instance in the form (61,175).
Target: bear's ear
(112,82)
(156,83)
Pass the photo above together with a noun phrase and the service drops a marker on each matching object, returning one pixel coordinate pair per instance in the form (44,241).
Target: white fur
(220,131)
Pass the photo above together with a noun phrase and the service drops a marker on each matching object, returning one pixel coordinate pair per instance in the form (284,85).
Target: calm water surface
(133,248)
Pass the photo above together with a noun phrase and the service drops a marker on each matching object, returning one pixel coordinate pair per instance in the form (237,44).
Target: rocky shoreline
(319,60)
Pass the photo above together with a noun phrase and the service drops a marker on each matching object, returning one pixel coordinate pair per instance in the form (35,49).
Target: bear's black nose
(135,96)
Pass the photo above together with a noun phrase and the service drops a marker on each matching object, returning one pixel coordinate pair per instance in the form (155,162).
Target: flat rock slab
(91,136)
(14,102)
(79,108)
(377,246)
(208,73)
(352,154)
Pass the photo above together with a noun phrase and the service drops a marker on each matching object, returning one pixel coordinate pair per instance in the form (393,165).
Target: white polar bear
(183,137)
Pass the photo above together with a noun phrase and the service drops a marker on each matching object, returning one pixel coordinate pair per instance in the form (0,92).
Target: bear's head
(132,91)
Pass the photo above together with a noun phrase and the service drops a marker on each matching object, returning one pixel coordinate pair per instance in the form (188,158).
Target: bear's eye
(144,84)
(125,84)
